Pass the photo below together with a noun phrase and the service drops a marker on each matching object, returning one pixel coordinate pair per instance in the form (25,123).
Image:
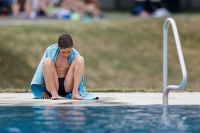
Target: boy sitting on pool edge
(60,72)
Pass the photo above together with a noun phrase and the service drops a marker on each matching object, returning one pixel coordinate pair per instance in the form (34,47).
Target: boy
(60,72)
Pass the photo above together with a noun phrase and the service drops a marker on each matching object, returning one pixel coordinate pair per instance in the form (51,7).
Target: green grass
(102,90)
(118,54)
(18,90)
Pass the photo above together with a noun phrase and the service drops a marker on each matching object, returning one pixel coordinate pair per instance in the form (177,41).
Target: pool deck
(27,99)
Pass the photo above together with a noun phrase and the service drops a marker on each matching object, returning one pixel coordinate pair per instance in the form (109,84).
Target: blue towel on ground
(38,79)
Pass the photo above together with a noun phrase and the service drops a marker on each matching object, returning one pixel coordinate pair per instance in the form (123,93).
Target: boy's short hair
(65,41)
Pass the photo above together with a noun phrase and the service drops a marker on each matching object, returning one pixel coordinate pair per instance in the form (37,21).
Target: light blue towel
(38,79)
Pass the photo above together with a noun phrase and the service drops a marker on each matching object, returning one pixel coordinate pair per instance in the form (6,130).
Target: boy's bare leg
(73,77)
(51,78)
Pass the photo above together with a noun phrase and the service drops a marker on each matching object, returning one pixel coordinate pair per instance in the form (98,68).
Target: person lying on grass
(60,72)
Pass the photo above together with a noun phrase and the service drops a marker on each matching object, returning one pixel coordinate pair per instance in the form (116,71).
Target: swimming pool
(100,119)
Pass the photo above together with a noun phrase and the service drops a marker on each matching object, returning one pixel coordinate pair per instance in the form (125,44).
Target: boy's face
(66,52)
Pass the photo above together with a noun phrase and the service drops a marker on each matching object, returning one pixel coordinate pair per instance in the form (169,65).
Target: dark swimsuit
(61,90)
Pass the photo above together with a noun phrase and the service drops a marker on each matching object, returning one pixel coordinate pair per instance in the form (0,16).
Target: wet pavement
(27,99)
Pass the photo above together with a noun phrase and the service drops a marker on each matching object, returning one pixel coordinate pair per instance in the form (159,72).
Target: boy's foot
(55,96)
(45,95)
(77,97)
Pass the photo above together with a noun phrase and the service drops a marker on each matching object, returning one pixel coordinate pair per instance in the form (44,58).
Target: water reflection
(173,119)
(53,118)
(94,119)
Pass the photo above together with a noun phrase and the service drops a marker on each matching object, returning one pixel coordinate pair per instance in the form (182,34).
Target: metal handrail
(166,88)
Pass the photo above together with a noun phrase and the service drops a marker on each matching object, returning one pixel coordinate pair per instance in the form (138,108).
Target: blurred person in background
(44,7)
(93,8)
(75,6)
(84,8)
(21,7)
(33,8)
(5,7)
(159,10)
(70,9)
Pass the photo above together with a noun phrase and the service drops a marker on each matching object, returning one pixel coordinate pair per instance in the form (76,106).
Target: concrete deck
(27,99)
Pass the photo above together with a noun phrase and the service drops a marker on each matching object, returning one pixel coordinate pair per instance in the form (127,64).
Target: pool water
(100,119)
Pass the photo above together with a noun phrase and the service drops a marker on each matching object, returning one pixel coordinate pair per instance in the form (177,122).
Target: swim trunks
(61,90)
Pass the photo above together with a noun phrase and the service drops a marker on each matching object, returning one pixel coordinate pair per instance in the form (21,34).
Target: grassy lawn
(121,55)
(102,90)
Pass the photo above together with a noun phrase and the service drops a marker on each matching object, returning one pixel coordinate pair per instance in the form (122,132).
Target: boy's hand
(45,95)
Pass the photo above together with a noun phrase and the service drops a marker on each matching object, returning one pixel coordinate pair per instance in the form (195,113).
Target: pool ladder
(166,88)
